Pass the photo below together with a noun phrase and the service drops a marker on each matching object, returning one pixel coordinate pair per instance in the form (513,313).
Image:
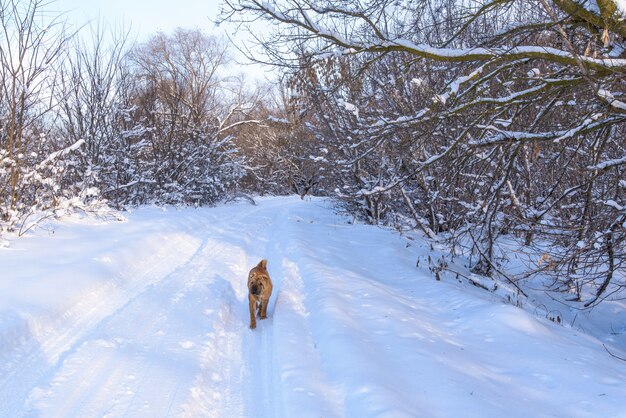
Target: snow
(148,317)
(610,98)
(592,6)
(418,82)
(608,164)
(65,151)
(612,203)
(464,54)
(349,107)
(278,120)
(271,9)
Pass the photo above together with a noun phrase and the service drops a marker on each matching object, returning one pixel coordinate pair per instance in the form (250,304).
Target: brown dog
(259,291)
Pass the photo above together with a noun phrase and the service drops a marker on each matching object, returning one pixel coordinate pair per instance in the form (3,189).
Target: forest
(474,122)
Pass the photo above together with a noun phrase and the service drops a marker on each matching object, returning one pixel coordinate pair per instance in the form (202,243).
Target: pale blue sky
(145,16)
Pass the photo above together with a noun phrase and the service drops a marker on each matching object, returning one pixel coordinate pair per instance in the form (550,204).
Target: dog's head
(256,288)
(258,278)
(257,283)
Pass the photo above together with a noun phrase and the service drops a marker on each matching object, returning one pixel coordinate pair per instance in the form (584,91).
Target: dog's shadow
(271,306)
(222,293)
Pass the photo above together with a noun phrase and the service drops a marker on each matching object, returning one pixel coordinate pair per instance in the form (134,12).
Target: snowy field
(148,318)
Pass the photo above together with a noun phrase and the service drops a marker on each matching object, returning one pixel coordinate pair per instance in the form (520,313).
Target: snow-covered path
(148,318)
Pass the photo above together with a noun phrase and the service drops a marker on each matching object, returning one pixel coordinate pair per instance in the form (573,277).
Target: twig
(32,224)
(613,355)
(495,268)
(472,281)
(242,196)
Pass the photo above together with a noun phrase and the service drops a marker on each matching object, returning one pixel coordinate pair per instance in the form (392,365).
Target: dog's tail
(263,264)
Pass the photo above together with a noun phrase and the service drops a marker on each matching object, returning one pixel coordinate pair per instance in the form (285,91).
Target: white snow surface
(149,318)
(592,6)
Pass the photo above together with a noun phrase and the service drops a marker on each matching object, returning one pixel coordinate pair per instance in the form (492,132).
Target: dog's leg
(252,303)
(263,308)
(260,310)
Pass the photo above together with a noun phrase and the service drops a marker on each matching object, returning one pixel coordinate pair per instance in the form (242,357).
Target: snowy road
(148,318)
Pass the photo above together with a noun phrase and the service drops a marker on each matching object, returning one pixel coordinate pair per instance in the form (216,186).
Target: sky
(145,17)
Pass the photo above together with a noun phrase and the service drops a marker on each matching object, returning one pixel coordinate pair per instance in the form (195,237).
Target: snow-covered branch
(503,136)
(297,14)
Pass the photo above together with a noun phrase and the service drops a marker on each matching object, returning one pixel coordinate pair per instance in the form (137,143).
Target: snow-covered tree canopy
(478,118)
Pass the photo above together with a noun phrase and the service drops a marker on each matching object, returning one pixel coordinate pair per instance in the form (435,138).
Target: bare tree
(187,108)
(31,48)
(91,106)
(280,151)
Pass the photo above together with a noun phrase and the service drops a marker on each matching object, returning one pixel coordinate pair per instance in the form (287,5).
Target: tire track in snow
(308,392)
(216,391)
(225,386)
(136,362)
(98,369)
(237,373)
(285,368)
(44,352)
(260,382)
(266,392)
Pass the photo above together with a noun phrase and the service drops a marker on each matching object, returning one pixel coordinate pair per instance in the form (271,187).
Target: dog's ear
(263,264)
